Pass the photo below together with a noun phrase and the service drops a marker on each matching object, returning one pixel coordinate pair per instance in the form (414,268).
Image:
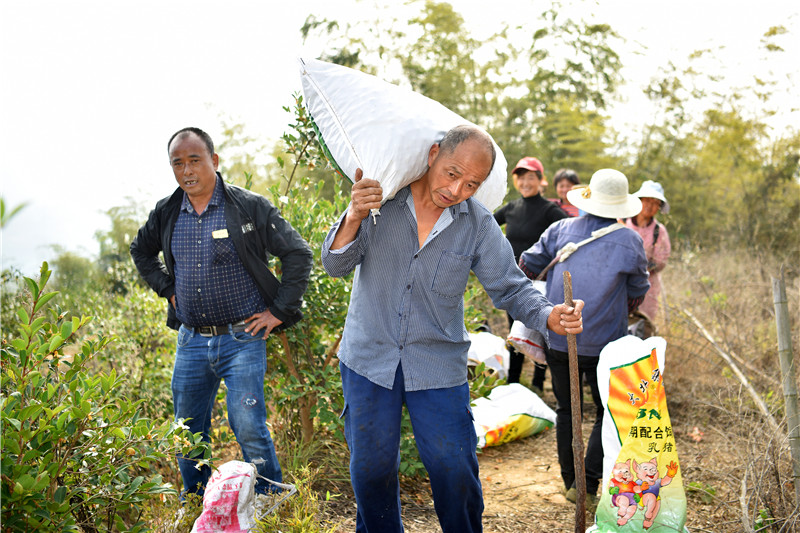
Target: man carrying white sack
(404,339)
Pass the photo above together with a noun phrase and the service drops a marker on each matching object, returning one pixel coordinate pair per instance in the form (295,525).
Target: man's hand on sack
(365,195)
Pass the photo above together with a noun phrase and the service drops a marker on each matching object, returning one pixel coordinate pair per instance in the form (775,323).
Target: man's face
(454,177)
(194,168)
(527,183)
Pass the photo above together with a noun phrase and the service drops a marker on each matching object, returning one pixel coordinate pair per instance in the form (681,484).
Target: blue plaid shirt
(407,303)
(212,287)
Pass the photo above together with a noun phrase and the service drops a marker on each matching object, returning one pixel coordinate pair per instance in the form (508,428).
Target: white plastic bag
(229,500)
(529,341)
(490,350)
(510,412)
(384,129)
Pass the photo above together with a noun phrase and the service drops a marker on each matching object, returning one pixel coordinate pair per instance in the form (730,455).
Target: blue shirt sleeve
(505,283)
(341,262)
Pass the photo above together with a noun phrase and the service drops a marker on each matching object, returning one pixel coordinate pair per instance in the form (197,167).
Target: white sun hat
(653,189)
(606,196)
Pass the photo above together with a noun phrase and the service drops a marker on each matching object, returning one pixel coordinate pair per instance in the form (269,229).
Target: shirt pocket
(223,251)
(452,274)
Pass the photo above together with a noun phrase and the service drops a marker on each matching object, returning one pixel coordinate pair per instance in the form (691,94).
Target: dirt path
(522,487)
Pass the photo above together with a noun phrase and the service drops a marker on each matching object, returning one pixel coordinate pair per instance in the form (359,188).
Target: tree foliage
(729,179)
(544,88)
(539,88)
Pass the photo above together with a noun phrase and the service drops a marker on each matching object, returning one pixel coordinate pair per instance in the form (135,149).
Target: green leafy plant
(706,493)
(764,519)
(76,451)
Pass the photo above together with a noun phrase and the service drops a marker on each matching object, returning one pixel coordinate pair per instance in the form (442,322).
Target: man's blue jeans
(200,364)
(446,440)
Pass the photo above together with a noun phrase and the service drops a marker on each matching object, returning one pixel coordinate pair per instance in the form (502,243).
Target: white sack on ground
(510,412)
(490,350)
(384,129)
(229,500)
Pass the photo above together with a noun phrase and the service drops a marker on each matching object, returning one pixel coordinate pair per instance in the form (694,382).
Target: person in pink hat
(656,240)
(525,219)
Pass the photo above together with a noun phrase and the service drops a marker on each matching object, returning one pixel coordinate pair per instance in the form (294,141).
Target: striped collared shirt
(212,287)
(407,302)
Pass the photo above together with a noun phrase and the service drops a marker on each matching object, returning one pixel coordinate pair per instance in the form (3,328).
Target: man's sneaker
(591,499)
(591,502)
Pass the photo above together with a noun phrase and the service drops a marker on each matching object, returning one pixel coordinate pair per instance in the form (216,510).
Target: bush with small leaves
(77,453)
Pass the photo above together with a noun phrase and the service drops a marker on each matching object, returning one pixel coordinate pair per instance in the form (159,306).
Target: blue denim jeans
(446,440)
(200,364)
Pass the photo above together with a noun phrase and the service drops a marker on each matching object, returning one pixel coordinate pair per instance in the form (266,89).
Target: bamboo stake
(738,373)
(788,375)
(577,432)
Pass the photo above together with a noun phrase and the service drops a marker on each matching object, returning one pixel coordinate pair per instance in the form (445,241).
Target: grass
(738,473)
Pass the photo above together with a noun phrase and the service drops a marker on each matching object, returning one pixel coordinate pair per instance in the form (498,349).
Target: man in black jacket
(224,301)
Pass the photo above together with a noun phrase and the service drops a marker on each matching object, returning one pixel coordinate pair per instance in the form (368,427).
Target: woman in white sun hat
(610,274)
(656,240)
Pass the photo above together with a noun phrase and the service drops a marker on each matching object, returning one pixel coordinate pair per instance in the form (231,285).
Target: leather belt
(211,331)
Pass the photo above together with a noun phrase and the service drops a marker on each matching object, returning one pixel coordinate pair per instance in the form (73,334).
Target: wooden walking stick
(575,403)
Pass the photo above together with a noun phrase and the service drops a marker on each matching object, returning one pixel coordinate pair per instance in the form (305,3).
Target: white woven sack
(490,350)
(229,500)
(511,405)
(525,340)
(383,129)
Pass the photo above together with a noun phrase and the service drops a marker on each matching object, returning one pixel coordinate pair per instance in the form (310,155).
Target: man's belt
(211,331)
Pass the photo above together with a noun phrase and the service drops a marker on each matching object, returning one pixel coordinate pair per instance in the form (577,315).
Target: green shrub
(77,453)
(299,513)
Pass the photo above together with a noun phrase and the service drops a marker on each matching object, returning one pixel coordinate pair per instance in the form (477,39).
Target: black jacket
(258,231)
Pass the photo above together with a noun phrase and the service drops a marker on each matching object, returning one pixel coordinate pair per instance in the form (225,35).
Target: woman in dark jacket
(525,219)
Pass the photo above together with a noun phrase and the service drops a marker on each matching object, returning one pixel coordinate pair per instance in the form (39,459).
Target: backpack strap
(571,247)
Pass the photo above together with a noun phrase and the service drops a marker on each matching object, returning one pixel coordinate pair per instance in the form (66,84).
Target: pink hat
(529,163)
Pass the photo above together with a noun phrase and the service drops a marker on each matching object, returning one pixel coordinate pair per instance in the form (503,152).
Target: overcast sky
(90,91)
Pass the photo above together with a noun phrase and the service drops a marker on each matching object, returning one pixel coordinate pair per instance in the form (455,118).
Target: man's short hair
(462,133)
(205,137)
